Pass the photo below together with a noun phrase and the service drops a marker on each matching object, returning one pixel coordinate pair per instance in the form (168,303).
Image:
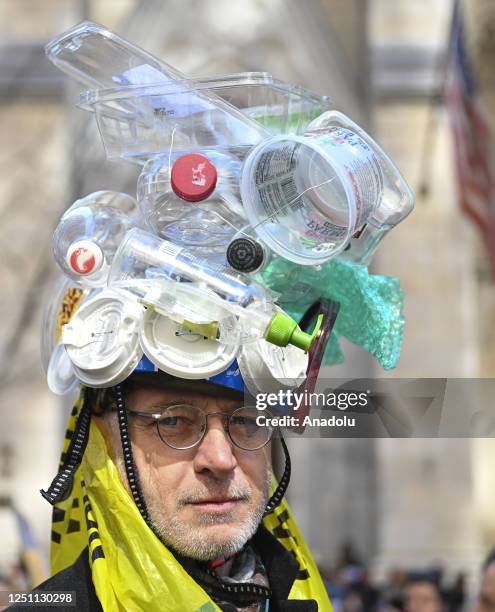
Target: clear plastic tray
(99,58)
(137,122)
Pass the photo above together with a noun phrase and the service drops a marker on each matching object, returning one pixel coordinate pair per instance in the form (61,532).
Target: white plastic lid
(60,374)
(102,340)
(84,257)
(178,351)
(267,368)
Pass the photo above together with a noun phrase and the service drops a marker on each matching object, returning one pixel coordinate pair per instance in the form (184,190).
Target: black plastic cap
(245,254)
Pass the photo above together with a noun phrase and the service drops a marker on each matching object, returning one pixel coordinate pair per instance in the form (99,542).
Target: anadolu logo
(84,257)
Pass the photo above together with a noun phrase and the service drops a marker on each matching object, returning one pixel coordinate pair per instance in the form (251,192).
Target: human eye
(242,420)
(175,417)
(169,421)
(245,431)
(246,422)
(180,426)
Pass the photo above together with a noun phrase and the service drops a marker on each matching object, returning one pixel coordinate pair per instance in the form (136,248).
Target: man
(173,485)
(422,594)
(486,597)
(163,499)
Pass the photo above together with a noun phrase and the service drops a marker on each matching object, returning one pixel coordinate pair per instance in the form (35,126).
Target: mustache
(233,491)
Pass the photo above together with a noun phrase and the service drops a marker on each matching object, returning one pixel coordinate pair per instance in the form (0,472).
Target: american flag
(474,144)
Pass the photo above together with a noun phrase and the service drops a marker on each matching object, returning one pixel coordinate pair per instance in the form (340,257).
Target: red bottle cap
(84,257)
(193,177)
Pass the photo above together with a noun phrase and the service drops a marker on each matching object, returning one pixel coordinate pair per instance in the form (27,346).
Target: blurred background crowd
(391,522)
(425,589)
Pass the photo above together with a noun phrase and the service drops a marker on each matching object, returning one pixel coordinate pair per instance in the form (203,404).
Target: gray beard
(191,542)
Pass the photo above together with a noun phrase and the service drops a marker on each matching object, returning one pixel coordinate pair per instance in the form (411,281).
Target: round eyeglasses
(183,426)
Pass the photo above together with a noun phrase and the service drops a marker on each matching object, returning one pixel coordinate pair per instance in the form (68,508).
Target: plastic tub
(137,122)
(301,197)
(393,207)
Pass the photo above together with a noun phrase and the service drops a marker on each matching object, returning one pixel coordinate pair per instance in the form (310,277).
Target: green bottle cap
(283,330)
(280,330)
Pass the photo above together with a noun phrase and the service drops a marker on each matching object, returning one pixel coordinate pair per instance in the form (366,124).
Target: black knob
(245,254)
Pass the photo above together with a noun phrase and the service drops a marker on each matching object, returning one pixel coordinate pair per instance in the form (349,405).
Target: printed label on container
(179,101)
(280,197)
(361,166)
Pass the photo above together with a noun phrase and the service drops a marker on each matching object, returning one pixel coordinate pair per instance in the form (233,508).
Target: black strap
(61,485)
(130,467)
(279,492)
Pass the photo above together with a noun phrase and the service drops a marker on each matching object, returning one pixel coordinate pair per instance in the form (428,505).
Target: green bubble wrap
(370,305)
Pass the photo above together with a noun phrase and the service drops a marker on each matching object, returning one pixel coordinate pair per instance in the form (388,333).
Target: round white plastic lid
(267,368)
(178,351)
(108,377)
(84,257)
(102,340)
(61,376)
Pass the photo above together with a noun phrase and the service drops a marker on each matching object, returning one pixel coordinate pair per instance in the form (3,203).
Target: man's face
(422,597)
(486,598)
(207,501)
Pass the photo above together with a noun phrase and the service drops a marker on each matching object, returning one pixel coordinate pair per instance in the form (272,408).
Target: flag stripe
(473,141)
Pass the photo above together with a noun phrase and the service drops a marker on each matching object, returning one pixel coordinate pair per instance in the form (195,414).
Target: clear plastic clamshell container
(138,122)
(144,106)
(127,111)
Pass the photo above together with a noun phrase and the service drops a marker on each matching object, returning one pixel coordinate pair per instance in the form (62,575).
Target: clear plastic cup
(305,196)
(395,204)
(89,233)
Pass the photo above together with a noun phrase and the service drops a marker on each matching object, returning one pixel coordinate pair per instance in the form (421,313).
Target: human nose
(215,451)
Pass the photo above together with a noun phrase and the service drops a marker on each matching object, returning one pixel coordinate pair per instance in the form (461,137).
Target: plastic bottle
(89,233)
(193,200)
(178,285)
(142,258)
